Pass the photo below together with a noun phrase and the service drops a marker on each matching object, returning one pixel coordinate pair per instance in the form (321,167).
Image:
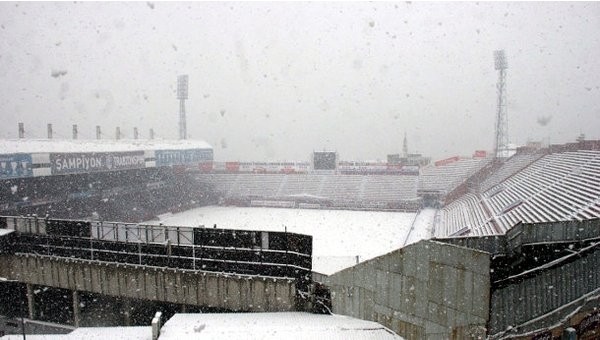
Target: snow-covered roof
(339,236)
(5,231)
(10,146)
(92,333)
(292,325)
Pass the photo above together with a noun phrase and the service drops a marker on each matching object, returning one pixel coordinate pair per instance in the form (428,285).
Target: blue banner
(182,157)
(15,166)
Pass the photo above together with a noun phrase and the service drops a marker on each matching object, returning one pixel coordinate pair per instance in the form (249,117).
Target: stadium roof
(5,232)
(91,333)
(11,146)
(290,325)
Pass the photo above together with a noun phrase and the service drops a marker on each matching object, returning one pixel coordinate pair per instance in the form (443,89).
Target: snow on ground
(339,236)
(292,325)
(422,227)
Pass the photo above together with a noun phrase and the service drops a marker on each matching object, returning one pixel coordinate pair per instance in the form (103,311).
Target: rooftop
(292,325)
(248,326)
(10,146)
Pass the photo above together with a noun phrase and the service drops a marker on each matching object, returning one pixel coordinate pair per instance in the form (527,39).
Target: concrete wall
(528,234)
(562,231)
(495,244)
(426,290)
(232,292)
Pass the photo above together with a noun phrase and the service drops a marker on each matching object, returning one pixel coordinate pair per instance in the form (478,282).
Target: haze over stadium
(357,170)
(277,81)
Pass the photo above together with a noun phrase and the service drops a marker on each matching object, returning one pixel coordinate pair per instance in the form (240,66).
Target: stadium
(477,246)
(278,197)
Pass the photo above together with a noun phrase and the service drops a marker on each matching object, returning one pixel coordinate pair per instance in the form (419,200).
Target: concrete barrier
(425,290)
(226,291)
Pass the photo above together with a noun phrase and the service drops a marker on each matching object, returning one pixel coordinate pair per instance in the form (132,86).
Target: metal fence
(279,254)
(541,292)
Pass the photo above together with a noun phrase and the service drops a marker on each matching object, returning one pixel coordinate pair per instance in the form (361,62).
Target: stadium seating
(388,188)
(344,188)
(445,178)
(341,190)
(129,196)
(555,187)
(513,165)
(467,212)
(261,185)
(300,184)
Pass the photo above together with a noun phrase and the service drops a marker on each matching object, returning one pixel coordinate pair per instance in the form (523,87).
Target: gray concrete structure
(425,290)
(543,274)
(527,234)
(226,291)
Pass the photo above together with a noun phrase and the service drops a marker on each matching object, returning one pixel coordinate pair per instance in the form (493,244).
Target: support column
(76,309)
(30,301)
(127,311)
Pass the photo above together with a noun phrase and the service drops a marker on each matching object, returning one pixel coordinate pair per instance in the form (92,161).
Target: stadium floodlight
(182,87)
(501,142)
(500,60)
(182,95)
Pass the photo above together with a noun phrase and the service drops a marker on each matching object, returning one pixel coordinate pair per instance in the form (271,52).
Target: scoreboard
(324,160)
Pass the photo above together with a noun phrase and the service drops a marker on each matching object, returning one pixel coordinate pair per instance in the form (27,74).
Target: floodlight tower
(501,144)
(405,147)
(182,95)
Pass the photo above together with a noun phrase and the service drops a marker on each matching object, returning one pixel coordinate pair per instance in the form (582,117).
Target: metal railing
(279,254)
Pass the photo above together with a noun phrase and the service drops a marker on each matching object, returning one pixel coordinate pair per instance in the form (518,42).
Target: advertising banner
(206,166)
(480,154)
(125,160)
(15,166)
(232,166)
(180,157)
(447,161)
(69,163)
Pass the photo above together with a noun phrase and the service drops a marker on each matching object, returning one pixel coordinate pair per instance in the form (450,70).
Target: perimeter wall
(425,290)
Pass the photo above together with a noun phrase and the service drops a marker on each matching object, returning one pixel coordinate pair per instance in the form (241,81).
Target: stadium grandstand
(487,217)
(438,181)
(542,186)
(128,181)
(317,190)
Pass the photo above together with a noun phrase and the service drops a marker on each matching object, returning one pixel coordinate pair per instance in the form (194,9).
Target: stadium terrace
(465,246)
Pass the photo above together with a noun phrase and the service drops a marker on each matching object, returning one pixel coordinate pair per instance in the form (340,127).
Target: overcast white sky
(275,81)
